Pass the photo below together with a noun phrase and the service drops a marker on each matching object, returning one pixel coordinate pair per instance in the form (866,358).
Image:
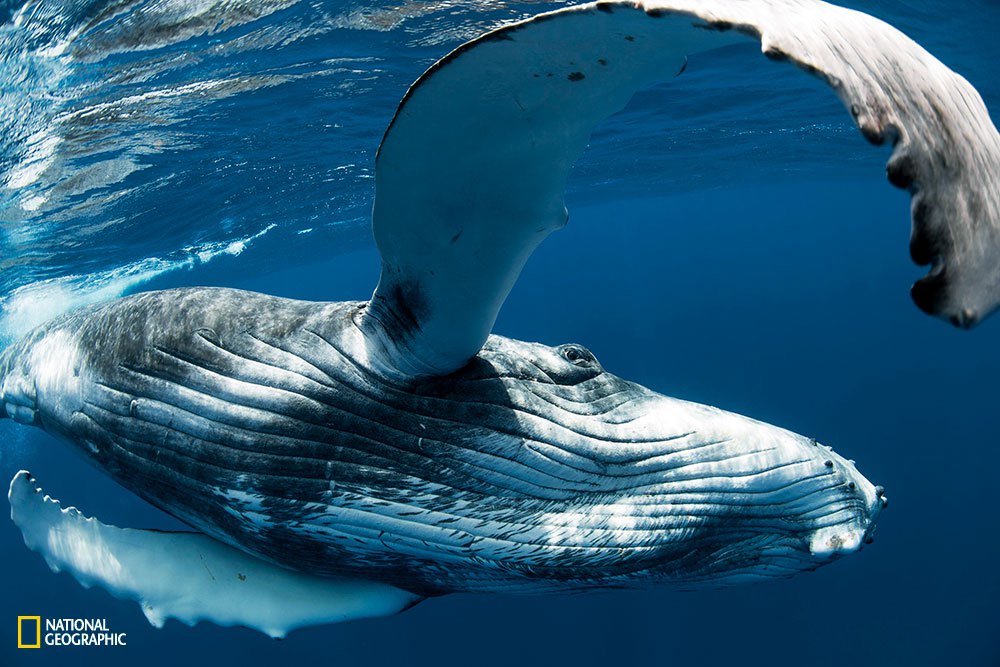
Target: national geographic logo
(29,632)
(66,632)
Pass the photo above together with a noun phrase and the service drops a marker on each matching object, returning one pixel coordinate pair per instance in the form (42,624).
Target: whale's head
(661,489)
(762,503)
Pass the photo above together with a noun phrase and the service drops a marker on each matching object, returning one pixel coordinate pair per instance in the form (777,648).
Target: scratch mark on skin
(202,557)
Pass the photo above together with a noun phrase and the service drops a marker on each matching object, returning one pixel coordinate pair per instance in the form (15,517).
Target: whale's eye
(577,354)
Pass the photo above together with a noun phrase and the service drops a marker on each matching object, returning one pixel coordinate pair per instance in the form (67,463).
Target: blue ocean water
(732,241)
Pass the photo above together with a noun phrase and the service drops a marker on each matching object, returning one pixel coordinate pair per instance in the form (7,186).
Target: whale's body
(369,454)
(255,420)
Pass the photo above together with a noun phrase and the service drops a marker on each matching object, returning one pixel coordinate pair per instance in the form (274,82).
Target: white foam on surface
(36,303)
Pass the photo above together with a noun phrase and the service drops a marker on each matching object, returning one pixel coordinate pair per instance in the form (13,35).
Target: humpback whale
(345,460)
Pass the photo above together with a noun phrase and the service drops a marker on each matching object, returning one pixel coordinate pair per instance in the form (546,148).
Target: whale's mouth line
(851,535)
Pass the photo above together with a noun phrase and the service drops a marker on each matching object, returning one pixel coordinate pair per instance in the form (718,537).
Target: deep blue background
(787,303)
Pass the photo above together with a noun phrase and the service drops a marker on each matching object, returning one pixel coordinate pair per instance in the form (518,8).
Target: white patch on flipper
(190,576)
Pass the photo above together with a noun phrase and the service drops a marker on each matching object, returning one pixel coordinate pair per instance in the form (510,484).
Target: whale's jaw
(530,469)
(729,499)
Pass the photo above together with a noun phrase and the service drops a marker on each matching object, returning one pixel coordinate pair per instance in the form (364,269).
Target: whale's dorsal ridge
(471,171)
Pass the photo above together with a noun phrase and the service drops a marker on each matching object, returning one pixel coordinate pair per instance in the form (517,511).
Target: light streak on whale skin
(255,420)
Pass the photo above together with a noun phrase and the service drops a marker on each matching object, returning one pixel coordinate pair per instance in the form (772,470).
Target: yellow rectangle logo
(23,636)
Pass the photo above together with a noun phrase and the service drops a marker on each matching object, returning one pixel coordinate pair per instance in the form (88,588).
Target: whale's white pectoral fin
(190,576)
(470,174)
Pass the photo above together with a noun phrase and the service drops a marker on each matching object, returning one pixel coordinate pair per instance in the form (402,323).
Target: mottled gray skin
(257,420)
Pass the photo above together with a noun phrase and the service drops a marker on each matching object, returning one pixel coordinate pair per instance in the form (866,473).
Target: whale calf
(372,454)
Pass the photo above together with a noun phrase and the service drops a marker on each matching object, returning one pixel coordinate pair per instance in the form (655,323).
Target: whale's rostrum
(397,445)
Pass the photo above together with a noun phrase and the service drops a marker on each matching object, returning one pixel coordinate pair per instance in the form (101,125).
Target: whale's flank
(530,469)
